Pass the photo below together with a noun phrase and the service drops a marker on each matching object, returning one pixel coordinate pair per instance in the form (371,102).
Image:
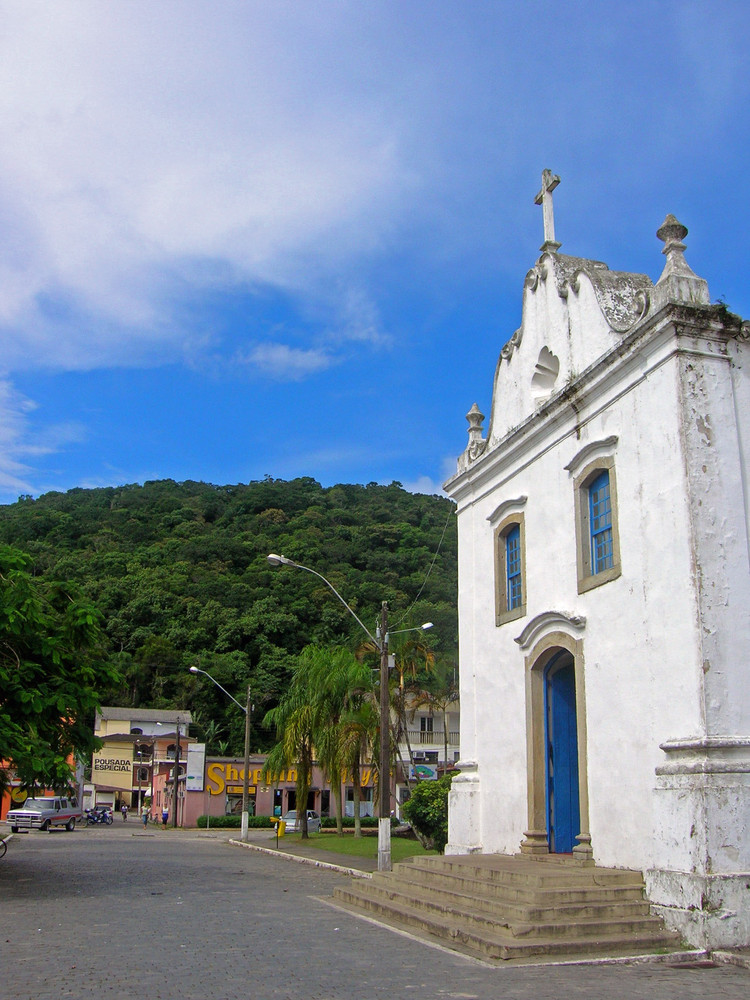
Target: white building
(604,588)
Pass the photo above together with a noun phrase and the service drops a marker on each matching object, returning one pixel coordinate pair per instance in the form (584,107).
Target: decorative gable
(574,312)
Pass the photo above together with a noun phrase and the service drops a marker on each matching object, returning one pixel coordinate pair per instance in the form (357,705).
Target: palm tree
(212,732)
(325,683)
(438,694)
(357,738)
(413,658)
(293,719)
(336,681)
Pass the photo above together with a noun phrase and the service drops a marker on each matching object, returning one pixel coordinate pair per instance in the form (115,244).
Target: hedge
(235,822)
(264,822)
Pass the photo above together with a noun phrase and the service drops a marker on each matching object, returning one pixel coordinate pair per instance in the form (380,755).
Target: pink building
(221,792)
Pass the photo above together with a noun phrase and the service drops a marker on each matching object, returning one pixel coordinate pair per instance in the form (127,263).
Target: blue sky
(241,239)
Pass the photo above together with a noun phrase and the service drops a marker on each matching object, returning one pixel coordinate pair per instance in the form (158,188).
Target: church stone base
(702,818)
(464,831)
(709,911)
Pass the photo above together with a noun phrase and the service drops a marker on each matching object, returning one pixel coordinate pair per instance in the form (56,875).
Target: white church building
(604,588)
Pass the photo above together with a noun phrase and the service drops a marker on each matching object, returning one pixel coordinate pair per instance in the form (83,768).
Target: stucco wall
(640,633)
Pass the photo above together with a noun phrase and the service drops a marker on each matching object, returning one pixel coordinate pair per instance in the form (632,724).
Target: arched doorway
(556,747)
(561,757)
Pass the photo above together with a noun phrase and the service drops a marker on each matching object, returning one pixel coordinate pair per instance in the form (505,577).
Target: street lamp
(275,560)
(246,776)
(381,644)
(417,628)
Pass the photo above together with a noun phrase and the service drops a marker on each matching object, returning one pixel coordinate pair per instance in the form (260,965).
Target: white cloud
(14,411)
(20,442)
(286,364)
(146,154)
(424,484)
(152,150)
(359,321)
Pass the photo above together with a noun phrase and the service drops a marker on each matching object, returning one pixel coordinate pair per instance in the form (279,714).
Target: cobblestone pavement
(117,912)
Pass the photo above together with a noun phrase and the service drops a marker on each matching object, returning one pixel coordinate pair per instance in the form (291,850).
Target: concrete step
(513,907)
(517,870)
(493,943)
(489,899)
(523,897)
(468,914)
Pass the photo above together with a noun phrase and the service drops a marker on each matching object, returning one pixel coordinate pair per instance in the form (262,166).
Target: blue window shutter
(600,524)
(514,582)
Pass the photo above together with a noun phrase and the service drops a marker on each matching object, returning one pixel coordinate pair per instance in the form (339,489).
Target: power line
(405,615)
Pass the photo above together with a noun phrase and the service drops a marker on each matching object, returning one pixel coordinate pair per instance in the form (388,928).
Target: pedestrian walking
(145,818)
(164,816)
(124,811)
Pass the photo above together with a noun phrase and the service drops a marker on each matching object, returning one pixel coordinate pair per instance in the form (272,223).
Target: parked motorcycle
(99,815)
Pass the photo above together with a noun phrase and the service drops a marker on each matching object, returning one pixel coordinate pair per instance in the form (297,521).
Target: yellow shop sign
(222,775)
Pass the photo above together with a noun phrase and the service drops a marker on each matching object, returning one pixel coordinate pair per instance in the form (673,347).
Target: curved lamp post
(417,628)
(381,644)
(275,560)
(246,776)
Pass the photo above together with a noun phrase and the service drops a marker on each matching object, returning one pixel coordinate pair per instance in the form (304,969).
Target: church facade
(604,588)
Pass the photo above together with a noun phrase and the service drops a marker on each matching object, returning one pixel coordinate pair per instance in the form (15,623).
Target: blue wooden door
(563,810)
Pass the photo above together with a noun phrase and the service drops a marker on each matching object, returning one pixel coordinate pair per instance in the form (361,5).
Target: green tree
(413,659)
(51,672)
(337,683)
(294,721)
(357,738)
(180,575)
(326,684)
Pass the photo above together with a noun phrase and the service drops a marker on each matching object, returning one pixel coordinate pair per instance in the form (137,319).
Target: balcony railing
(436,738)
(160,758)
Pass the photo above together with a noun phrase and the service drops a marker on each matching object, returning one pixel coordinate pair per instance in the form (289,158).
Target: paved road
(172,915)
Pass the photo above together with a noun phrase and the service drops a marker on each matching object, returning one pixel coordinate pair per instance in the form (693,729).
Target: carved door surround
(544,638)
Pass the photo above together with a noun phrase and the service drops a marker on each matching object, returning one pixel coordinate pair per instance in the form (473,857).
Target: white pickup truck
(44,813)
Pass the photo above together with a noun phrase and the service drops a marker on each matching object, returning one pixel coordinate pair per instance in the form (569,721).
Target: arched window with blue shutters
(514,578)
(600,523)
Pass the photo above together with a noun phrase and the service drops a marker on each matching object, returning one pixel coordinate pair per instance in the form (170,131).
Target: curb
(300,859)
(725,957)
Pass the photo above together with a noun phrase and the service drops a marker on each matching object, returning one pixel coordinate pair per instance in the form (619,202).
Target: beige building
(137,743)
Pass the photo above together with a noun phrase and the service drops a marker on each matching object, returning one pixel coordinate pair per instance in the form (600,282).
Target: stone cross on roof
(544,198)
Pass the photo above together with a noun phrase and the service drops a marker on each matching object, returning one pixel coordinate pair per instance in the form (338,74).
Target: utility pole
(176,774)
(381,643)
(384,821)
(246,775)
(140,793)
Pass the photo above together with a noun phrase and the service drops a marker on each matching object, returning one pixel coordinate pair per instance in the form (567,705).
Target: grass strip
(402,848)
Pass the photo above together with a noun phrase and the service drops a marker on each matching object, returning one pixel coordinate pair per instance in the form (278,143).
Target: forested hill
(179,572)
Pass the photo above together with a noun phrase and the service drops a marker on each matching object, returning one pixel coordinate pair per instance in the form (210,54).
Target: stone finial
(476,443)
(672,232)
(678,282)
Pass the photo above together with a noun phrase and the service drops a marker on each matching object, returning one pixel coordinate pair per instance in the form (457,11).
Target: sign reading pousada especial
(113,766)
